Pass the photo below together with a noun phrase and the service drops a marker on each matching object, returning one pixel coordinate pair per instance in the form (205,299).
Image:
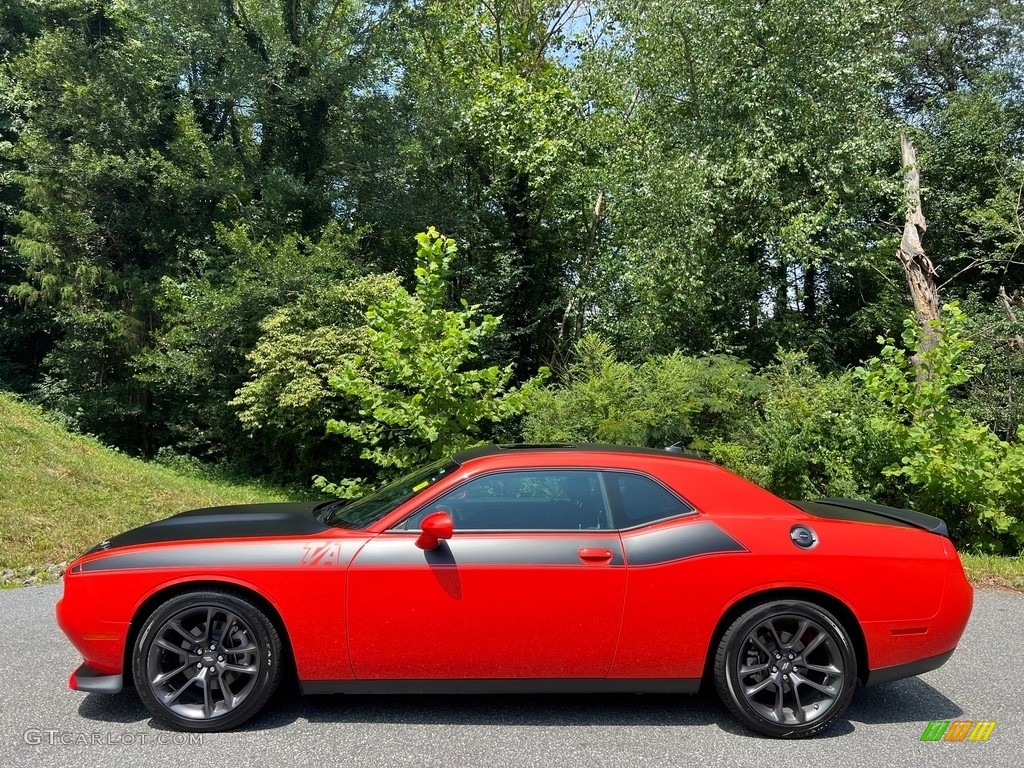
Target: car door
(530,585)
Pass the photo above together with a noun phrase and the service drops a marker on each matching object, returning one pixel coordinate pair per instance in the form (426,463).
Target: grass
(995,571)
(62,493)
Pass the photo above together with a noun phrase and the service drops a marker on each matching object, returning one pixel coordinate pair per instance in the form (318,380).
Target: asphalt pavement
(42,723)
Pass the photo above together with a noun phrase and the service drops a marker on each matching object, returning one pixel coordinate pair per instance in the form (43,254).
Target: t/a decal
(328,553)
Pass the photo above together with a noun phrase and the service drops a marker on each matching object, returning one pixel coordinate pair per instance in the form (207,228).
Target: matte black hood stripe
(243,521)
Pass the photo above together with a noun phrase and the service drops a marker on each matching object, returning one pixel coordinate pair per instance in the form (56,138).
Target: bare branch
(1017,340)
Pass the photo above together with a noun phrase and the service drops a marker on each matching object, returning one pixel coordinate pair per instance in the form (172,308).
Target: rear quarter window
(642,499)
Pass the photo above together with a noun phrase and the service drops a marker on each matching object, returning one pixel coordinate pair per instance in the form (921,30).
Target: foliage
(417,395)
(491,148)
(212,322)
(959,87)
(997,397)
(748,170)
(955,467)
(153,140)
(287,399)
(673,399)
(972,152)
(813,437)
(199,201)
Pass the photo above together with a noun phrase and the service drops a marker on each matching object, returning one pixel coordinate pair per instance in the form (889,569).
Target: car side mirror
(435,526)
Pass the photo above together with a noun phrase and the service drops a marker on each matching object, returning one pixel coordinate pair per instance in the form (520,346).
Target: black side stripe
(486,549)
(638,548)
(303,552)
(666,545)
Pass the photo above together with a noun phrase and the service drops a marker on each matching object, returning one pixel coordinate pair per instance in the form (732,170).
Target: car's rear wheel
(786,668)
(207,661)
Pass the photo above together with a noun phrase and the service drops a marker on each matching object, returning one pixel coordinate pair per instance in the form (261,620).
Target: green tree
(490,151)
(750,176)
(147,131)
(419,396)
(111,190)
(23,330)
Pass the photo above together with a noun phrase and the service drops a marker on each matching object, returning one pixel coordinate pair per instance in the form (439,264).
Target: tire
(207,661)
(786,669)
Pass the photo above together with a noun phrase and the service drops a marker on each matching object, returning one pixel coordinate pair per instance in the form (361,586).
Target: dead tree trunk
(1017,340)
(567,329)
(918,268)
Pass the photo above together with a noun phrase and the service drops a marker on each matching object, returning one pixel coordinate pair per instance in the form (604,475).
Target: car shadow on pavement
(515,709)
(903,701)
(125,707)
(563,710)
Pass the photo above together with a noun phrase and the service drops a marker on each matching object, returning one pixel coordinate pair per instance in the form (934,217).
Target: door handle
(595,555)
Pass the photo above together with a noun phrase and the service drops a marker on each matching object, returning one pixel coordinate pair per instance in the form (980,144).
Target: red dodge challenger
(523,569)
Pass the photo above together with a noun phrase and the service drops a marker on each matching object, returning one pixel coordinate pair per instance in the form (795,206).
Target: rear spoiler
(865,511)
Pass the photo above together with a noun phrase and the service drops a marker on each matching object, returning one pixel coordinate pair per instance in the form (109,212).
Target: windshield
(370,508)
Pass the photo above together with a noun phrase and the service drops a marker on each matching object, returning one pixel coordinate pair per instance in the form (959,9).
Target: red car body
(631,608)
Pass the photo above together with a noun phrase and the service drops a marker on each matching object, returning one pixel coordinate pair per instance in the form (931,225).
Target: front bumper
(87,679)
(100,642)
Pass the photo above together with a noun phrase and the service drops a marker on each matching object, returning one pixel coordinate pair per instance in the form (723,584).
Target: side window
(642,500)
(524,500)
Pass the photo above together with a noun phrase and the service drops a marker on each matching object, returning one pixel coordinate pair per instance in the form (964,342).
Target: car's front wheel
(207,661)
(786,668)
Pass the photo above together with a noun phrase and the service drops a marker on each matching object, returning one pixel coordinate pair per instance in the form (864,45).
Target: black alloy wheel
(786,669)
(207,661)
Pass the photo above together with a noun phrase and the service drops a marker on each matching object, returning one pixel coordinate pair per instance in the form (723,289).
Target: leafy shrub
(288,399)
(812,436)
(997,398)
(417,395)
(956,467)
(668,399)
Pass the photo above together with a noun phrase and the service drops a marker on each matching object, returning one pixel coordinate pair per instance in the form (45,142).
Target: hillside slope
(62,493)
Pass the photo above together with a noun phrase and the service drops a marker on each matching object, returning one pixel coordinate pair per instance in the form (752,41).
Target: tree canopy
(208,213)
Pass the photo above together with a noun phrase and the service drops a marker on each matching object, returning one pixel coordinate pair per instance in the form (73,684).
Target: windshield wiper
(326,511)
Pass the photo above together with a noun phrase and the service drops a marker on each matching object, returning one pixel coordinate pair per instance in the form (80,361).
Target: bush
(997,398)
(812,436)
(692,401)
(288,399)
(955,467)
(417,395)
